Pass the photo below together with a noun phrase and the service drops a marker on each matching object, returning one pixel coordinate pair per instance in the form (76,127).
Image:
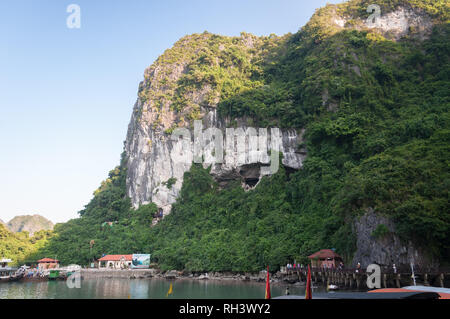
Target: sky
(66,94)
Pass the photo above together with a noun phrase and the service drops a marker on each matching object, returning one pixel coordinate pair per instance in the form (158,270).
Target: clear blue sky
(66,95)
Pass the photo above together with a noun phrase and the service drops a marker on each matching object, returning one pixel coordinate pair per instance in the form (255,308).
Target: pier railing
(357,277)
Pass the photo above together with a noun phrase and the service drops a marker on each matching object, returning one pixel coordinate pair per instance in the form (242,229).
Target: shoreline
(180,275)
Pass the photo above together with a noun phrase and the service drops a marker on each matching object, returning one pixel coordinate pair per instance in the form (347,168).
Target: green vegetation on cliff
(107,225)
(234,230)
(376,114)
(20,246)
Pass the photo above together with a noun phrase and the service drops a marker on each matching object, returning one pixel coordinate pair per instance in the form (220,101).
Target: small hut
(115,261)
(325,258)
(48,263)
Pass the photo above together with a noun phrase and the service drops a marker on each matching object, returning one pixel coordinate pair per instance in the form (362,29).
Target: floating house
(4,262)
(48,263)
(325,258)
(5,270)
(115,261)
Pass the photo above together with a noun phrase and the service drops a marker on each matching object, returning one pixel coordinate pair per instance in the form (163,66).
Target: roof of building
(323,254)
(116,257)
(48,260)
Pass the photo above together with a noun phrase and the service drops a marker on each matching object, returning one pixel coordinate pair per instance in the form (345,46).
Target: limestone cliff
(176,91)
(341,78)
(166,102)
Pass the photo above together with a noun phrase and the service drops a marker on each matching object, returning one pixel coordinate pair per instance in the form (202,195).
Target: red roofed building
(47,263)
(115,261)
(325,258)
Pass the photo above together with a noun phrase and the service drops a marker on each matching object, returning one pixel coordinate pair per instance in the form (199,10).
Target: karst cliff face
(155,171)
(197,79)
(175,92)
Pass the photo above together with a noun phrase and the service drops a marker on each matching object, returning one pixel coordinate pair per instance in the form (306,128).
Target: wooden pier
(357,278)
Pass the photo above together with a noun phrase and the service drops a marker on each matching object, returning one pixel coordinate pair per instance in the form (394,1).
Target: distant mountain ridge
(29,223)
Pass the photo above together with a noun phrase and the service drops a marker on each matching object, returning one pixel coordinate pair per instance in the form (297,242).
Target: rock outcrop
(401,22)
(385,248)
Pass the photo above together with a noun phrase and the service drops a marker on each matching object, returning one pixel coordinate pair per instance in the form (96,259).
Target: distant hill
(29,223)
(19,247)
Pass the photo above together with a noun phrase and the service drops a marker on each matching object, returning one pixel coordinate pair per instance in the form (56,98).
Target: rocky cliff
(173,95)
(207,77)
(378,242)
(175,92)
(356,102)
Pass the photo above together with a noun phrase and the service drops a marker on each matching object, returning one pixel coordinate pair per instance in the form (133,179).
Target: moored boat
(54,275)
(444,293)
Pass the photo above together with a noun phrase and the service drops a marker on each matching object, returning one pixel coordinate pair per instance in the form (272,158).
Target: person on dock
(358,267)
(394,268)
(287,291)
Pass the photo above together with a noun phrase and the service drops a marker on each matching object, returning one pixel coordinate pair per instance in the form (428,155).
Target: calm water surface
(155,288)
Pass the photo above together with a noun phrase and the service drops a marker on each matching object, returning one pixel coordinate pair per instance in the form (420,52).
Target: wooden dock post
(425,280)
(397,281)
(358,281)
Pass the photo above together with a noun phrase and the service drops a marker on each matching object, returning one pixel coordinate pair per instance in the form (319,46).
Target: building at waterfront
(325,258)
(115,261)
(48,263)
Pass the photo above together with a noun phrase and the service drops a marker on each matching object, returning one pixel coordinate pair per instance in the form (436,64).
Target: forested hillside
(375,109)
(19,246)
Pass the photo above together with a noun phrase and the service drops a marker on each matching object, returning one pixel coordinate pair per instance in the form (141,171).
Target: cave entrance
(251,182)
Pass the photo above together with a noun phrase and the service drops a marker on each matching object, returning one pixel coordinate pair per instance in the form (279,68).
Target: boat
(444,293)
(4,278)
(408,292)
(332,287)
(34,279)
(366,295)
(5,271)
(54,275)
(15,277)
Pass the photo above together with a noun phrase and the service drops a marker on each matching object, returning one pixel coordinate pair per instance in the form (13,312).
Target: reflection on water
(142,289)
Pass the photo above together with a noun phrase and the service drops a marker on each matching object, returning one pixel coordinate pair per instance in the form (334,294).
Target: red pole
(308,293)
(267,296)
